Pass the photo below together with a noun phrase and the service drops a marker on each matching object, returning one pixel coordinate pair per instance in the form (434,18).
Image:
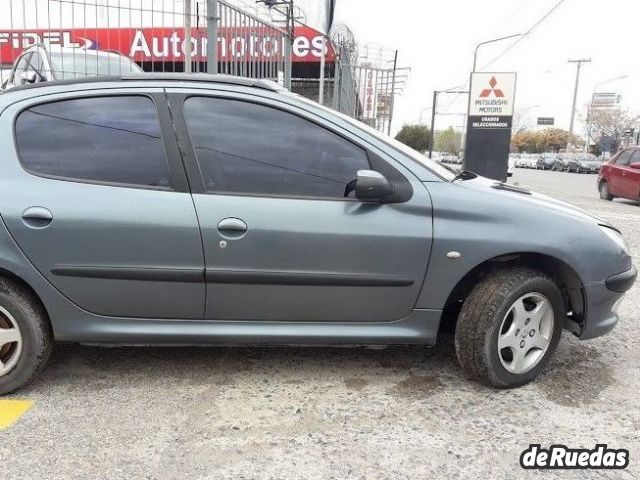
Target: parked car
(511,166)
(620,176)
(44,63)
(532,160)
(587,163)
(562,162)
(128,219)
(546,161)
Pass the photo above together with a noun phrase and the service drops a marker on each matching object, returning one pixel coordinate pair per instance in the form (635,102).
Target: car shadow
(575,376)
(79,367)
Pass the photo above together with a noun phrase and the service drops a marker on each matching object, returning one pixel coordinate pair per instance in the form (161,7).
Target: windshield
(83,63)
(436,167)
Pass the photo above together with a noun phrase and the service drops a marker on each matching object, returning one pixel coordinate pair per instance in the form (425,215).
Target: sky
(437,39)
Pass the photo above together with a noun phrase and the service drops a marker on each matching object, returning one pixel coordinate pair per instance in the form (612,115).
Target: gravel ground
(330,413)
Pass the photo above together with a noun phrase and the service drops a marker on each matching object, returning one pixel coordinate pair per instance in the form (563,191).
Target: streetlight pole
(578,63)
(475,53)
(433,114)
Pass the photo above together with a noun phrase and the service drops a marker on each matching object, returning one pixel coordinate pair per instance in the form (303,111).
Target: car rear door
(281,241)
(94,192)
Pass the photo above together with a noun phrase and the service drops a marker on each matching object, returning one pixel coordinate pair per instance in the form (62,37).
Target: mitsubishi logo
(496,91)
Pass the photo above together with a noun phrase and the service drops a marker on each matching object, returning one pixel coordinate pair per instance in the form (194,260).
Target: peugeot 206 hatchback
(218,210)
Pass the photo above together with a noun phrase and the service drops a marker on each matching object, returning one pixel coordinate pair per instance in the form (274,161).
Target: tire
(603,188)
(18,307)
(482,321)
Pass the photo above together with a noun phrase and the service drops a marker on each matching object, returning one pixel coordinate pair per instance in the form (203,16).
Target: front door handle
(37,217)
(232,228)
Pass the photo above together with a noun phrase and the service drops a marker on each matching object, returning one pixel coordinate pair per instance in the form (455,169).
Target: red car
(620,176)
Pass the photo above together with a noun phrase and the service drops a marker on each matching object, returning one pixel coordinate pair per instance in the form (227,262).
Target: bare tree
(610,124)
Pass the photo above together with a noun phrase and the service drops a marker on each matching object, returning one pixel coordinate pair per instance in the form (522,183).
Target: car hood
(522,195)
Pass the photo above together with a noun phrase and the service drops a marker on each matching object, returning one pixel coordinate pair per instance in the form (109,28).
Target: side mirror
(27,77)
(635,165)
(373,186)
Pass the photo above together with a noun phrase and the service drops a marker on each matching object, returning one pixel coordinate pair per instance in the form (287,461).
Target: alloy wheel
(10,342)
(525,333)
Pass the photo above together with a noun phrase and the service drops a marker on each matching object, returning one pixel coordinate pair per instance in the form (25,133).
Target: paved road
(179,413)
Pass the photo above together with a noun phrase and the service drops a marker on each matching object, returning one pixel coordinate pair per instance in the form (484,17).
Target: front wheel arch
(564,275)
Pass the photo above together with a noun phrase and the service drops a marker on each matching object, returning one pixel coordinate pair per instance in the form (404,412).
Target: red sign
(167,44)
(496,91)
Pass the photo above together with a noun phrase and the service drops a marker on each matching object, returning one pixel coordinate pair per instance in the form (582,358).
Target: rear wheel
(603,188)
(509,327)
(25,336)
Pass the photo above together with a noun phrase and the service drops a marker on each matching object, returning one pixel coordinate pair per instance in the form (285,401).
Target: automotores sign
(491,101)
(167,44)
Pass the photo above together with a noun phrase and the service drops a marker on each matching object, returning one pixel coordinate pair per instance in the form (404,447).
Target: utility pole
(212,36)
(433,121)
(578,63)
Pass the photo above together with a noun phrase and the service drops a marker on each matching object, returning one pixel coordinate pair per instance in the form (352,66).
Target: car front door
(94,192)
(281,241)
(619,170)
(630,178)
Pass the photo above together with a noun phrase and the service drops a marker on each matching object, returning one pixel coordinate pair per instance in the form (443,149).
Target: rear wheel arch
(28,289)
(565,277)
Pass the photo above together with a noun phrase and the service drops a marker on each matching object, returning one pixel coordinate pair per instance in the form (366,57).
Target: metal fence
(365,82)
(103,37)
(158,35)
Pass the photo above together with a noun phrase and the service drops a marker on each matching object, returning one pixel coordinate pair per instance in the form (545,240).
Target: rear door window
(114,140)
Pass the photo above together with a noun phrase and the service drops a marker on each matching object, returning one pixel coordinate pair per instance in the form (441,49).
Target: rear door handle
(37,217)
(232,228)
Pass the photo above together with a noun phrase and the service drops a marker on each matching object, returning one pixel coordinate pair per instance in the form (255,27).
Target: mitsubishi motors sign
(492,94)
(491,101)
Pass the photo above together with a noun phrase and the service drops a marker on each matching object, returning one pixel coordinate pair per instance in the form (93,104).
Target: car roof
(155,77)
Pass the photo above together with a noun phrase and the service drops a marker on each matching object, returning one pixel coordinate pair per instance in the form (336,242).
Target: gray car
(46,63)
(168,209)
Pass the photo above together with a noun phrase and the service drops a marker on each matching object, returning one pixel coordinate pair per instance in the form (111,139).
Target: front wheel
(509,327)
(604,191)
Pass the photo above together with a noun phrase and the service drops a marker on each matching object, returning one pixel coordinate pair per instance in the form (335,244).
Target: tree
(606,127)
(415,136)
(546,140)
(448,141)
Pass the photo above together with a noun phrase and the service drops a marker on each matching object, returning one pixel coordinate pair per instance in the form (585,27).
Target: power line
(526,34)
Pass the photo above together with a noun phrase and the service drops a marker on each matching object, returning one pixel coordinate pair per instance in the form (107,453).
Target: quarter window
(242,147)
(113,140)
